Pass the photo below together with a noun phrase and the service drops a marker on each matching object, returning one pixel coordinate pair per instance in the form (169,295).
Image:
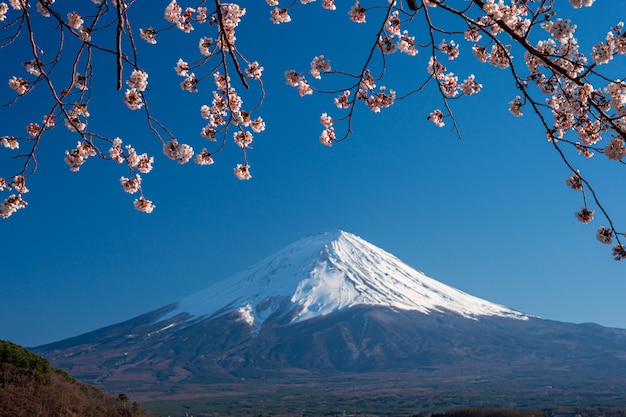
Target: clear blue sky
(489,214)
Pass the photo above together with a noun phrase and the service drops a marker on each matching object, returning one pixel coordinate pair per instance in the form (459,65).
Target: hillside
(31,387)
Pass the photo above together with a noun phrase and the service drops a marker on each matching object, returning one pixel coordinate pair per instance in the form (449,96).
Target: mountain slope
(326,273)
(31,387)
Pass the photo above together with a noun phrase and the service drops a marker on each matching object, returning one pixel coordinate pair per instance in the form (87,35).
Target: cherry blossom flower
(561,30)
(74,124)
(190,83)
(319,65)
(515,106)
(173,12)
(131,185)
(342,101)
(10,142)
(182,68)
(583,150)
(181,152)
(584,215)
(449,84)
(499,57)
(80,81)
(472,34)
(449,48)
(242,172)
(292,78)
(209,133)
(470,86)
(144,163)
(3,11)
(279,16)
(436,117)
(328,4)
(304,88)
(481,53)
(604,235)
(132,99)
(19,184)
(203,158)
(257,125)
(143,205)
(615,149)
(367,81)
(602,53)
(327,136)
(574,182)
(115,152)
(589,133)
(580,3)
(619,252)
(74,20)
(221,82)
(357,13)
(617,40)
(16,4)
(380,100)
(48,121)
(184,21)
(77,157)
(254,70)
(19,84)
(204,45)
(435,68)
(85,34)
(406,44)
(33,129)
(272,2)
(11,204)
(148,35)
(40,8)
(32,66)
(326,120)
(385,43)
(392,25)
(138,80)
(242,139)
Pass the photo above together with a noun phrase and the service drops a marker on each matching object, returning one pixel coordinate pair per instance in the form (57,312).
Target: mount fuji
(330,308)
(327,273)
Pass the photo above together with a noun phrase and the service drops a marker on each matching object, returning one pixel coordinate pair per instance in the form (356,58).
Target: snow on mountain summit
(328,272)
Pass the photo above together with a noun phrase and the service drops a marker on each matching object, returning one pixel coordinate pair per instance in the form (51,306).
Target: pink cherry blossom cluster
(563,87)
(225,111)
(76,157)
(13,202)
(216,44)
(573,92)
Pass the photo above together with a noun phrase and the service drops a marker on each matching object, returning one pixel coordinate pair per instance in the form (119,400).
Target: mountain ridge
(332,271)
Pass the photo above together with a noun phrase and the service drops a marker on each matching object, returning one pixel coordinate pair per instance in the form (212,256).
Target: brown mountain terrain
(31,387)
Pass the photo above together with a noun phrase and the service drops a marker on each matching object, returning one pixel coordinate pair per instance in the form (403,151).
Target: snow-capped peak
(329,272)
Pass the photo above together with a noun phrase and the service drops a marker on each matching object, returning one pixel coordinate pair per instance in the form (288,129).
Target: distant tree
(124,400)
(577,96)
